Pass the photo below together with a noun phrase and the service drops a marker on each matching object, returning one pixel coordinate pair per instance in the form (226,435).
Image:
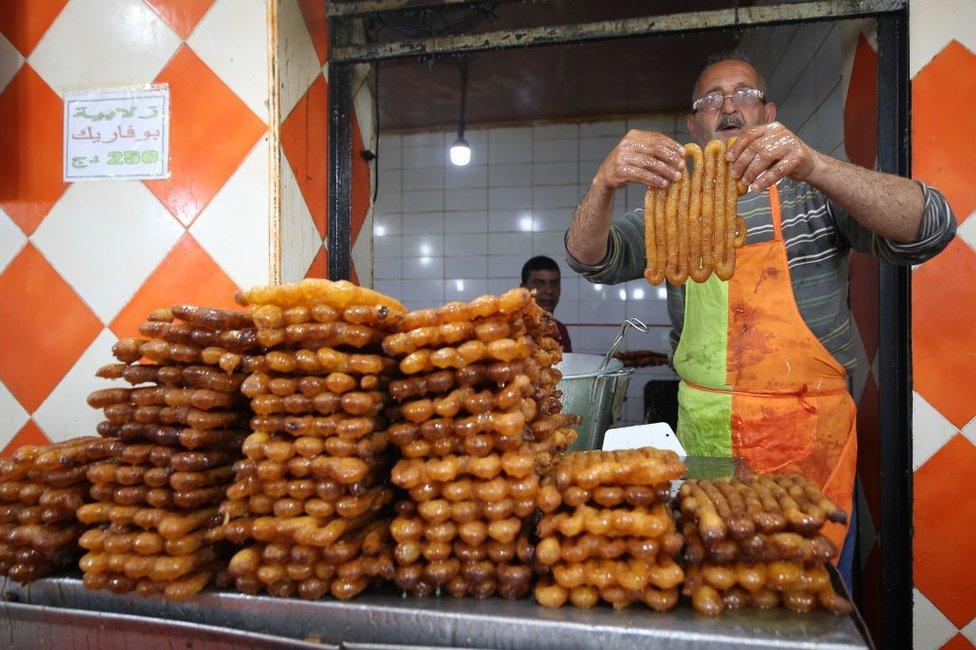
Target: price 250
(132,157)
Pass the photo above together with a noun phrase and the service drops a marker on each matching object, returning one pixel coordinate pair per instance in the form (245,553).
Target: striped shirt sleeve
(625,252)
(937,230)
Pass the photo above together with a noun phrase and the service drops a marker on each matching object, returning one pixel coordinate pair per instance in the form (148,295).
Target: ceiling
(580,81)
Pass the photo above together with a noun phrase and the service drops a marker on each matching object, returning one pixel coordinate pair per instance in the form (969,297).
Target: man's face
(729,120)
(546,285)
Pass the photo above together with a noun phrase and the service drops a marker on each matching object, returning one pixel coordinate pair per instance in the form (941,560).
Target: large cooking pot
(594,394)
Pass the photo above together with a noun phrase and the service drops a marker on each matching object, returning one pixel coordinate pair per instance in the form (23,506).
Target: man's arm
(887,205)
(643,157)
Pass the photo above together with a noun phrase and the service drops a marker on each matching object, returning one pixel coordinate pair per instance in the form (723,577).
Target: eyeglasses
(741,98)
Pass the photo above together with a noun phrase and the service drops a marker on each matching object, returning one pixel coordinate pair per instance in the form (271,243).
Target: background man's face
(728,121)
(546,285)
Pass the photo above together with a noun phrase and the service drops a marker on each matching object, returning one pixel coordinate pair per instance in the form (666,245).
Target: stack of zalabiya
(309,497)
(607,533)
(756,541)
(691,229)
(41,488)
(155,525)
(478,416)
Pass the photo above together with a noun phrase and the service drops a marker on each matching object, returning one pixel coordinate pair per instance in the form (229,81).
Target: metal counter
(59,612)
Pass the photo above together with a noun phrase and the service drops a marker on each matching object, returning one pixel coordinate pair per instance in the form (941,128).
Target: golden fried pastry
(691,228)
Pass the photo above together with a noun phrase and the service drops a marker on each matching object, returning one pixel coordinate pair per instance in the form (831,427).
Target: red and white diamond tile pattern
(943,65)
(303,51)
(81,264)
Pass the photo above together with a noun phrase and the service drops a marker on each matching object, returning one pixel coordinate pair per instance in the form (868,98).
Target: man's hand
(645,157)
(762,155)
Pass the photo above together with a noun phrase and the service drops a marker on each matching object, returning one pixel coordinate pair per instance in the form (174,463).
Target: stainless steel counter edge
(386,618)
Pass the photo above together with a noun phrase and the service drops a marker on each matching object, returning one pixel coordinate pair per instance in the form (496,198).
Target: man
(542,274)
(764,358)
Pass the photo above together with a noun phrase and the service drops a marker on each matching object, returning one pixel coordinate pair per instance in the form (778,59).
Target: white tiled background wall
(803,70)
(453,233)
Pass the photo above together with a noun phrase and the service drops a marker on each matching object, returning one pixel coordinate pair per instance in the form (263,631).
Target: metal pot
(595,395)
(594,387)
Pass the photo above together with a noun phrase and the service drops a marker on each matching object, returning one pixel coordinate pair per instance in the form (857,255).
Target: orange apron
(757,384)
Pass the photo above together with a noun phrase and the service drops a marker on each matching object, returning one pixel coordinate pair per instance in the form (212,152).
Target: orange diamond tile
(958,642)
(318,26)
(305,141)
(944,531)
(30,167)
(361,190)
(320,265)
(44,327)
(187,275)
(943,336)
(24,22)
(181,15)
(29,434)
(212,131)
(860,107)
(944,126)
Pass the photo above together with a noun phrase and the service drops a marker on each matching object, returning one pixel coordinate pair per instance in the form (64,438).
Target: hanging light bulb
(460,151)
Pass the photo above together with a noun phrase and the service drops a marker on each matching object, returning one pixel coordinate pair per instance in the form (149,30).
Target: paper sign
(117,133)
(658,434)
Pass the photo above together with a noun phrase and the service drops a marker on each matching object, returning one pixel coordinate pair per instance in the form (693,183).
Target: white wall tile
(515,151)
(427,267)
(469,176)
(386,224)
(556,150)
(512,220)
(466,221)
(509,198)
(555,173)
(510,244)
(555,196)
(423,223)
(468,266)
(464,288)
(390,152)
(552,219)
(588,169)
(414,157)
(466,244)
(429,293)
(388,268)
(548,243)
(510,175)
(597,148)
(429,178)
(392,288)
(390,182)
(466,199)
(388,246)
(423,201)
(431,244)
(506,266)
(602,311)
(501,285)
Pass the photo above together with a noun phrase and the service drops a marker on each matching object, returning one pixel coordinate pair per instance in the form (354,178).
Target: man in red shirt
(541,273)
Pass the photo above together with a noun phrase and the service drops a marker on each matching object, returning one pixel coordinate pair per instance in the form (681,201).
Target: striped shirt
(819,237)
